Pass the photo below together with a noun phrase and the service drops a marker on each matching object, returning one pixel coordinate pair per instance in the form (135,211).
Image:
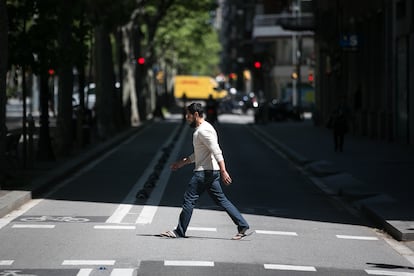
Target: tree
(106,17)
(3,71)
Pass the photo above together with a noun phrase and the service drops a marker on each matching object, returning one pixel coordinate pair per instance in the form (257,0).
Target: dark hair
(196,107)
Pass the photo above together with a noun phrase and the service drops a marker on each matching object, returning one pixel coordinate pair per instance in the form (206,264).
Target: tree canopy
(187,39)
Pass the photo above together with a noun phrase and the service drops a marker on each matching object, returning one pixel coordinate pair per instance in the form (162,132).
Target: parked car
(278,111)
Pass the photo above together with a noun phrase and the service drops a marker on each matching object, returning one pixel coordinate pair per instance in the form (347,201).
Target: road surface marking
(120,213)
(6,262)
(289,267)
(388,273)
(88,262)
(266,232)
(208,229)
(405,251)
(148,212)
(39,226)
(115,227)
(17,213)
(147,215)
(129,201)
(122,272)
(188,263)
(357,238)
(84,272)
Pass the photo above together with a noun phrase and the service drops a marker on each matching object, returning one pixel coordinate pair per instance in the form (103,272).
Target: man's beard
(193,124)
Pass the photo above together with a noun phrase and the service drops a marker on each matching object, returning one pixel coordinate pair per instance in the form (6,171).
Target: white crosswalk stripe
(6,262)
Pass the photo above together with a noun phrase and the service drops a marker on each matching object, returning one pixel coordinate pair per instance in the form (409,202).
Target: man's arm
(182,162)
(224,174)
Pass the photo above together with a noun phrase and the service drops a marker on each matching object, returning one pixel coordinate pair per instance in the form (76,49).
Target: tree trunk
(105,81)
(3,98)
(118,112)
(65,123)
(45,151)
(129,96)
(140,73)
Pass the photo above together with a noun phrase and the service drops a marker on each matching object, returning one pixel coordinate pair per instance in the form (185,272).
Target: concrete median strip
(12,200)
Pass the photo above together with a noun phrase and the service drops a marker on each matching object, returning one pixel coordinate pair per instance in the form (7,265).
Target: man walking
(209,167)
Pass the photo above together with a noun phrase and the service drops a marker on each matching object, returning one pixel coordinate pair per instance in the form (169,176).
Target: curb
(376,206)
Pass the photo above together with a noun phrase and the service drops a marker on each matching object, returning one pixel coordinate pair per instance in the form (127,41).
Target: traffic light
(51,71)
(310,78)
(141,60)
(232,76)
(257,64)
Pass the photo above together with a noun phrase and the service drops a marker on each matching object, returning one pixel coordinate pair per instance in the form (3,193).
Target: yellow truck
(197,88)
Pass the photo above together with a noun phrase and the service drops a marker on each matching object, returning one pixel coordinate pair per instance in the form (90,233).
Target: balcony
(274,26)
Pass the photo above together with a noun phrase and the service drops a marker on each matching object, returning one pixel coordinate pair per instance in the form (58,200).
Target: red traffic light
(257,64)
(141,60)
(310,77)
(51,71)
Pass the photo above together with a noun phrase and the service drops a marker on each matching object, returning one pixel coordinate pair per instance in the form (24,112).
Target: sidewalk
(375,176)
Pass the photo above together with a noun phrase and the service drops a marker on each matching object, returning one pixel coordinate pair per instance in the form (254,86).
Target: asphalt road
(91,224)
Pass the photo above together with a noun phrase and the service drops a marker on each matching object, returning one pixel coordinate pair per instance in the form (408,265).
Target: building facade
(358,52)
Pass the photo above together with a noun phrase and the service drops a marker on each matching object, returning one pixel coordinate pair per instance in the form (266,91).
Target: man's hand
(226,177)
(178,164)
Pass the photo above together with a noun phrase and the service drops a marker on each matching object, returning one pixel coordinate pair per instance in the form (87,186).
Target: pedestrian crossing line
(114,272)
(147,214)
(120,213)
(347,237)
(283,233)
(208,229)
(115,227)
(84,272)
(122,272)
(34,226)
(6,262)
(88,262)
(388,273)
(289,267)
(188,263)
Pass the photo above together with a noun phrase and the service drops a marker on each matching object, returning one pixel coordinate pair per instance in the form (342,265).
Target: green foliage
(184,35)
(187,40)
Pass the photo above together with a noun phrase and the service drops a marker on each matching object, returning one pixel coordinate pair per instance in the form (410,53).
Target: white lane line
(147,214)
(115,227)
(84,272)
(405,251)
(388,273)
(188,263)
(128,202)
(88,262)
(149,210)
(357,238)
(283,233)
(6,262)
(289,267)
(34,226)
(17,213)
(122,272)
(208,229)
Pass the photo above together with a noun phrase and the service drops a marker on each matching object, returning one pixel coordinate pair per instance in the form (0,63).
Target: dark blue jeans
(210,181)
